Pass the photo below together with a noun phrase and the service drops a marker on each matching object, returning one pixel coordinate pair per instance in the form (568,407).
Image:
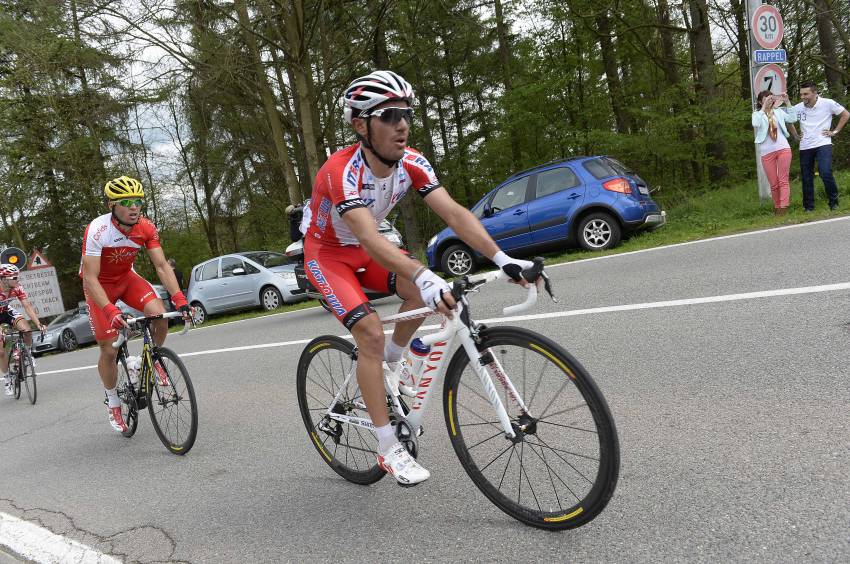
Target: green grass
(701,215)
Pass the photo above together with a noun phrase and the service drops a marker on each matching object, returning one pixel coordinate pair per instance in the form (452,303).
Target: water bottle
(418,353)
(134,364)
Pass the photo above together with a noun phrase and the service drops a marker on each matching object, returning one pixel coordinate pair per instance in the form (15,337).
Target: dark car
(586,201)
(65,333)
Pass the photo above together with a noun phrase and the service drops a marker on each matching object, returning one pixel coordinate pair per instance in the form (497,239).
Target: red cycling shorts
(341,273)
(132,289)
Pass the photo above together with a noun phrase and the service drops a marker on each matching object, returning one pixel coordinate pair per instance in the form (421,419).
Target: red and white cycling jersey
(117,250)
(345,182)
(6,297)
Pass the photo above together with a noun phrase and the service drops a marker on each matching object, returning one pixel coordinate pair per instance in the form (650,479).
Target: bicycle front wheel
(327,369)
(171,401)
(29,379)
(127,393)
(561,468)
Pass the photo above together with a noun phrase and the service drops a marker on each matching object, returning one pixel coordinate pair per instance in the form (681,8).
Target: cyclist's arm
(362,225)
(464,223)
(31,312)
(164,270)
(91,284)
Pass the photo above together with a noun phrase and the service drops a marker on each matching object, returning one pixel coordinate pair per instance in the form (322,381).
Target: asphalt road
(732,416)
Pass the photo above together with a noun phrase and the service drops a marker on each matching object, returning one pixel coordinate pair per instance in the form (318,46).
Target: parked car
(586,201)
(242,281)
(65,333)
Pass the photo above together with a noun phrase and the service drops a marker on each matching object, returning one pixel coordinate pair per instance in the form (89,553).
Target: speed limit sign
(767,26)
(769,77)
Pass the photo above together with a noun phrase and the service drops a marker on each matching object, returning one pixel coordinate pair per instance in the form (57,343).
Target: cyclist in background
(11,289)
(110,245)
(354,190)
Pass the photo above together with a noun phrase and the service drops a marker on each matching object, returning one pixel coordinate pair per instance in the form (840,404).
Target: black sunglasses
(391,116)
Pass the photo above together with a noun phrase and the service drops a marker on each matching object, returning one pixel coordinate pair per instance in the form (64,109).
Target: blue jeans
(823,155)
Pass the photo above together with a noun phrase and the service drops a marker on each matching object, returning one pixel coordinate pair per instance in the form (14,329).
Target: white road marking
(36,544)
(554,314)
(700,241)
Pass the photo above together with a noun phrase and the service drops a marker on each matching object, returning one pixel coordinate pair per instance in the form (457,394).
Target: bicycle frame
(148,346)
(441,344)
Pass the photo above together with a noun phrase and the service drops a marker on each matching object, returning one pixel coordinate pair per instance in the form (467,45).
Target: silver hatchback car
(242,281)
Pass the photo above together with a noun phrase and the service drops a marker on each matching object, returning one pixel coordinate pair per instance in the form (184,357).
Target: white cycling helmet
(376,88)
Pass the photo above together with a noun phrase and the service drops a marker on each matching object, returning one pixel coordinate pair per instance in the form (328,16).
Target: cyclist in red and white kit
(110,245)
(10,289)
(343,251)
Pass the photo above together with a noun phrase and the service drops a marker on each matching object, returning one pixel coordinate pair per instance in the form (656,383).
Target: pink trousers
(776,166)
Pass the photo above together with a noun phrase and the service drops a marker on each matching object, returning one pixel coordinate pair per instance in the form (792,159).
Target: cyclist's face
(389,139)
(129,215)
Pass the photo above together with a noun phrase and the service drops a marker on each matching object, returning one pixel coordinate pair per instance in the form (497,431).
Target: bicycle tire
(558,509)
(127,392)
(29,379)
(350,451)
(17,384)
(180,395)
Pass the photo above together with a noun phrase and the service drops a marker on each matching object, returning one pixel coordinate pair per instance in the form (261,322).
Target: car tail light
(618,185)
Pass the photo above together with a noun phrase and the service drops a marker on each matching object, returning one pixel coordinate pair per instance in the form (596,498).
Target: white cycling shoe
(7,387)
(398,463)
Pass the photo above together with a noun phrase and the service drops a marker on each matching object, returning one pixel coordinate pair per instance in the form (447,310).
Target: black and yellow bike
(22,366)
(161,385)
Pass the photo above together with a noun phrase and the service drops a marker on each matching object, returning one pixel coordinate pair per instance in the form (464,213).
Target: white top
(769,145)
(816,119)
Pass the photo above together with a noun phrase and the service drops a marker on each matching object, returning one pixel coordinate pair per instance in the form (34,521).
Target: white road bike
(527,422)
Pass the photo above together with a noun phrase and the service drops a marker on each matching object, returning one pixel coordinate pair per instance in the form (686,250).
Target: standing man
(110,245)
(815,114)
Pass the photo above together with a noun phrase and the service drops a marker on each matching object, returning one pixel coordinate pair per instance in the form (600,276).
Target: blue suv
(588,201)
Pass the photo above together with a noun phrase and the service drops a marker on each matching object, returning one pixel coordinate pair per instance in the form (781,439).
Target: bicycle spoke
(592,431)
(555,451)
(585,456)
(550,470)
(500,433)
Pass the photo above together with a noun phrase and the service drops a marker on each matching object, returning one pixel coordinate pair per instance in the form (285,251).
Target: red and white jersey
(345,182)
(117,250)
(6,297)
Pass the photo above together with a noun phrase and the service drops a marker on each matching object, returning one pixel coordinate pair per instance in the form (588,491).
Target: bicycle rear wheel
(29,378)
(351,451)
(561,469)
(171,401)
(127,392)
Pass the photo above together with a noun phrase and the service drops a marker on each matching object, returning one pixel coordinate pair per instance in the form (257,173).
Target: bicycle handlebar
(133,320)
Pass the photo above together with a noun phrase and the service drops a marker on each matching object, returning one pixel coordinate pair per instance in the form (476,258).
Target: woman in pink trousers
(772,144)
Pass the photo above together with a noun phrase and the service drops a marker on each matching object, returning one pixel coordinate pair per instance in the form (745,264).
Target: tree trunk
(834,75)
(298,61)
(739,11)
(668,46)
(502,32)
(706,84)
(612,73)
(270,106)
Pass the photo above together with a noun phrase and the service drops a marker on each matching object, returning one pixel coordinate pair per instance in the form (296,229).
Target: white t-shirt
(769,145)
(816,119)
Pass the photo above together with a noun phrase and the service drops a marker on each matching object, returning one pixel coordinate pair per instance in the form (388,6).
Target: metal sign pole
(763,184)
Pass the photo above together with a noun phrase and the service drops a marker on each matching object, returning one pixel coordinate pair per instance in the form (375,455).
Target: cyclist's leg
(21,324)
(379,279)
(8,318)
(140,295)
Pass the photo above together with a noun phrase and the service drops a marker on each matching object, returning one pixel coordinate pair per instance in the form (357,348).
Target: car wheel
(270,298)
(200,313)
(458,260)
(69,340)
(598,231)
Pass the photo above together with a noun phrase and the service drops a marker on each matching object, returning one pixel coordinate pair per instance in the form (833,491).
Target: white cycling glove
(511,266)
(431,288)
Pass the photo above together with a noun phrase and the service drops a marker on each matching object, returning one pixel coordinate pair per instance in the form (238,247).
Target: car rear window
(600,168)
(555,180)
(209,271)
(618,166)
